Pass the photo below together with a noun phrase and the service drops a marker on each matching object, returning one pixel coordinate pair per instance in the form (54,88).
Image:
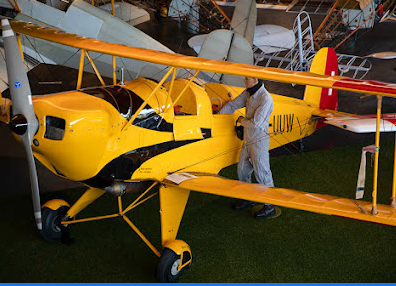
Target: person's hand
(239,119)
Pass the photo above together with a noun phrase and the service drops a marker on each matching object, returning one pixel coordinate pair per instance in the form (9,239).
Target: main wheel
(52,227)
(167,271)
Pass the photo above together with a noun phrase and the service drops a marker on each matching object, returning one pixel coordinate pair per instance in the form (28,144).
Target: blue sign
(17,84)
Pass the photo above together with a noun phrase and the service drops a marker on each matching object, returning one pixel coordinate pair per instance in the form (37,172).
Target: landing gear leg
(176,256)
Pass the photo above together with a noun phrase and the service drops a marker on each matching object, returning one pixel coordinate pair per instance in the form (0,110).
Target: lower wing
(358,123)
(324,204)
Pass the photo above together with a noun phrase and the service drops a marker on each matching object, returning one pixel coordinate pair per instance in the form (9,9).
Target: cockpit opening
(127,103)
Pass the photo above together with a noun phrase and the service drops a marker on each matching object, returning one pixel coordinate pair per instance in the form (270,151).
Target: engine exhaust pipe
(119,188)
(116,189)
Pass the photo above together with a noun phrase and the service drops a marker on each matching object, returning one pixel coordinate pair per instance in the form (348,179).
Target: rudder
(325,62)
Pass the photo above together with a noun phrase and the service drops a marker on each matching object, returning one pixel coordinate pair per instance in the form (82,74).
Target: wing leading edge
(324,204)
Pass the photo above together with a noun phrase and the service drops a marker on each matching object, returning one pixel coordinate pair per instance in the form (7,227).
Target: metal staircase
(299,58)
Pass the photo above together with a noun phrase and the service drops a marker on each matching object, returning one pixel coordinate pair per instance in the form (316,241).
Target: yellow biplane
(113,138)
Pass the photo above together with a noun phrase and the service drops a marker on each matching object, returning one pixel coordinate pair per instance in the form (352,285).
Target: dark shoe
(265,212)
(241,205)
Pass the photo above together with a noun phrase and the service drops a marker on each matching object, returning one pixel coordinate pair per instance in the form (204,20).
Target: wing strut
(125,127)
(81,69)
(185,88)
(376,156)
(393,198)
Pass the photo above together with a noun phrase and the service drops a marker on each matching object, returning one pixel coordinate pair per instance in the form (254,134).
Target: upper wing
(325,204)
(181,61)
(358,123)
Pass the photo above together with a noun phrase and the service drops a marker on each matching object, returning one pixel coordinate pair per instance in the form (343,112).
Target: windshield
(127,103)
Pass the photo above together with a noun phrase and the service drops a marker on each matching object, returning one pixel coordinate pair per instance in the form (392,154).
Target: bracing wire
(42,60)
(273,137)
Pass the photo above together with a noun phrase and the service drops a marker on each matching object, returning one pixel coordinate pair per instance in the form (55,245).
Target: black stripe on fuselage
(124,166)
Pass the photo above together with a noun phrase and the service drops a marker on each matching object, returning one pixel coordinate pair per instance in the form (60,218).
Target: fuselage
(86,135)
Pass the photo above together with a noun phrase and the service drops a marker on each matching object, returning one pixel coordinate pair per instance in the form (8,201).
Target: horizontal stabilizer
(324,204)
(359,123)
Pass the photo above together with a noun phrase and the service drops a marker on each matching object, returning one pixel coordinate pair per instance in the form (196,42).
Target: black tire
(167,267)
(52,228)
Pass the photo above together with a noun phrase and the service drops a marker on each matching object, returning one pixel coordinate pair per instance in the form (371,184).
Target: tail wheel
(52,227)
(168,266)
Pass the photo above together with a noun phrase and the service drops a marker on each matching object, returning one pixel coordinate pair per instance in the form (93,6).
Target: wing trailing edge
(324,204)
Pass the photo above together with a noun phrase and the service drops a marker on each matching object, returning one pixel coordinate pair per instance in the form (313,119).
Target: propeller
(383,55)
(24,122)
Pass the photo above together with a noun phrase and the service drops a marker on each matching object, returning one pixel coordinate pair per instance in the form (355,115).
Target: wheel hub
(175,267)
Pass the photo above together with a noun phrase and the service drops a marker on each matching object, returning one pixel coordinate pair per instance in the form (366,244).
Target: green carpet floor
(227,246)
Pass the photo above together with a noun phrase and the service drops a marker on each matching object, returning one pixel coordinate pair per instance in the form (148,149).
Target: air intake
(55,128)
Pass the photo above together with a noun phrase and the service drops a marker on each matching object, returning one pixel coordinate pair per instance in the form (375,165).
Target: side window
(220,95)
(187,104)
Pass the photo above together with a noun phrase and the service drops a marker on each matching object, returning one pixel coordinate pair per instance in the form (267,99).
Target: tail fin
(325,62)
(244,19)
(228,46)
